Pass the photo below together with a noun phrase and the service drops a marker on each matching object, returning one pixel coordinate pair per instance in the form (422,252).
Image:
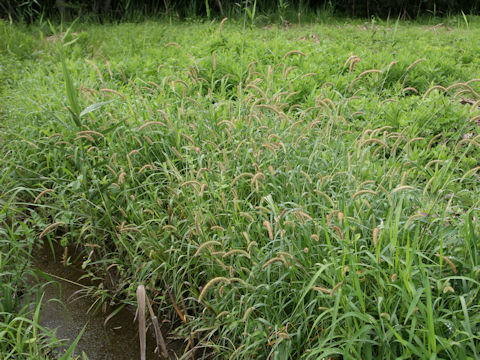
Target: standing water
(117,339)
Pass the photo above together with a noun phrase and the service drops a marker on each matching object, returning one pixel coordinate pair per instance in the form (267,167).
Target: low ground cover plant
(287,192)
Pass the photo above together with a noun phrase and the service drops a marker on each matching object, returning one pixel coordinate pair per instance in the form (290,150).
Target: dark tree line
(30,10)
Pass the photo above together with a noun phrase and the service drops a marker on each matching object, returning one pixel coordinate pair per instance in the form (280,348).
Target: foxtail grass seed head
(449,262)
(271,170)
(448,289)
(403,187)
(275,259)
(210,284)
(150,124)
(197,225)
(375,141)
(376,232)
(237,252)
(336,287)
(99,73)
(50,228)
(207,244)
(217,228)
(251,245)
(371,71)
(321,289)
(144,167)
(294,52)
(249,310)
(90,132)
(222,314)
(354,61)
(169,228)
(133,152)
(390,65)
(284,254)
(268,226)
(338,231)
(303,215)
(412,65)
(46,191)
(363,192)
(410,88)
(121,177)
(475,119)
(247,215)
(435,87)
(385,315)
(85,136)
(404,178)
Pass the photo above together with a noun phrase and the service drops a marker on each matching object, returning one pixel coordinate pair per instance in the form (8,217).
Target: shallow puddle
(118,339)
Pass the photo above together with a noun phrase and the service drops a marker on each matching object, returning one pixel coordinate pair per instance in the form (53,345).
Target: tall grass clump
(288,193)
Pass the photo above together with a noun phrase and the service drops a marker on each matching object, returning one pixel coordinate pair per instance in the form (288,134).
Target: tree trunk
(106,7)
(61,7)
(219,4)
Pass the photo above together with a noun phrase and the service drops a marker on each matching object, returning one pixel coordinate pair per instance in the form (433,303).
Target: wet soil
(67,309)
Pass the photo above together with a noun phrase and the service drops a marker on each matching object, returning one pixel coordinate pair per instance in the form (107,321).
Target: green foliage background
(101,10)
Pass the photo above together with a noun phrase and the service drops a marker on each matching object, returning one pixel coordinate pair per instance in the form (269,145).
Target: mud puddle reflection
(118,339)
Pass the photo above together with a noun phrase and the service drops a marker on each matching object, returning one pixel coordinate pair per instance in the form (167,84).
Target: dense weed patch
(289,193)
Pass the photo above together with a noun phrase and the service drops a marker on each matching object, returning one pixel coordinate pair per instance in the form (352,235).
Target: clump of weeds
(299,193)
